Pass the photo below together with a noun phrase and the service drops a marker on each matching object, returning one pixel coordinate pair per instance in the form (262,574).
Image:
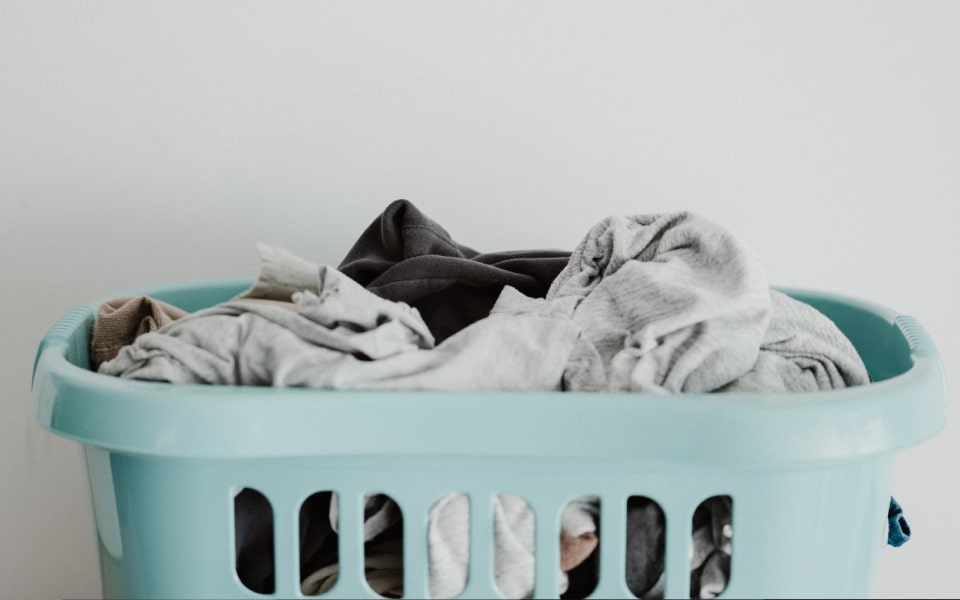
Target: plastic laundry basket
(809,474)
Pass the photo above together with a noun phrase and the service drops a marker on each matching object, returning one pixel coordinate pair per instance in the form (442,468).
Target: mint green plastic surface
(810,474)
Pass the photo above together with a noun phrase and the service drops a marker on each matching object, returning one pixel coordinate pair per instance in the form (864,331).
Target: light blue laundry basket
(809,475)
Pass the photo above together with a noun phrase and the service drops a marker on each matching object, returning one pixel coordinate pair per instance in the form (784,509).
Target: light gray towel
(802,351)
(671,303)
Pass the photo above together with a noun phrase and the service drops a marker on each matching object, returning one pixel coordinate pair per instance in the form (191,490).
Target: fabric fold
(406,256)
(671,303)
(122,320)
(335,334)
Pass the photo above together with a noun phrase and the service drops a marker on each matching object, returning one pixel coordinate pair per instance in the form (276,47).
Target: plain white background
(150,142)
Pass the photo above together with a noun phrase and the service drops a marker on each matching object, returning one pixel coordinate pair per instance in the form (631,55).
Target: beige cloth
(121,320)
(576,549)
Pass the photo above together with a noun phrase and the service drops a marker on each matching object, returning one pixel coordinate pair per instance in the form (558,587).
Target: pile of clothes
(650,303)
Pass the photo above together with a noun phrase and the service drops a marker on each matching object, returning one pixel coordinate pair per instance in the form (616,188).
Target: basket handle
(921,346)
(62,332)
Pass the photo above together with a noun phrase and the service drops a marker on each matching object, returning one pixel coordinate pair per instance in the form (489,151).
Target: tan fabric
(121,320)
(575,549)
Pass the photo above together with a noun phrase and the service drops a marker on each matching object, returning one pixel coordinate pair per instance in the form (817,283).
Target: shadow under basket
(808,476)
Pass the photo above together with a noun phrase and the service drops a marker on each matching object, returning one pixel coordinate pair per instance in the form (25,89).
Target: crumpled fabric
(671,303)
(650,303)
(338,335)
(802,351)
(123,319)
(674,303)
(406,256)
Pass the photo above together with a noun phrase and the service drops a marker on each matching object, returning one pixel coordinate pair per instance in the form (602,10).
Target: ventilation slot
(253,535)
(448,537)
(580,547)
(319,548)
(712,547)
(383,545)
(646,546)
(513,539)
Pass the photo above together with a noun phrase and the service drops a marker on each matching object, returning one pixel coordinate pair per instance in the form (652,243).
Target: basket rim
(737,430)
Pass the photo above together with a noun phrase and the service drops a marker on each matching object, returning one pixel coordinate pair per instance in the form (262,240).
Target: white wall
(148,142)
